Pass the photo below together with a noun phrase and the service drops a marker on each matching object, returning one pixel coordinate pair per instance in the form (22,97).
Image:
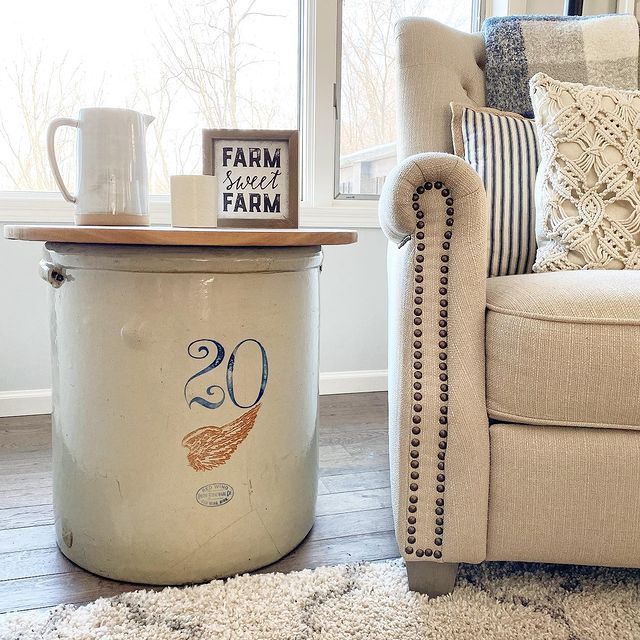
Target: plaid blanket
(595,50)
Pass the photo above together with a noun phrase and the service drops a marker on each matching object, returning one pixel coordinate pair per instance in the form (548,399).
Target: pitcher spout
(147,119)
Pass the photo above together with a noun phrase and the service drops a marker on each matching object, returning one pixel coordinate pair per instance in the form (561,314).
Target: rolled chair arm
(433,210)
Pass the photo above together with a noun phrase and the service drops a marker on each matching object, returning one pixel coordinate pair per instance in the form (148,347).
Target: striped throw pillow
(503,149)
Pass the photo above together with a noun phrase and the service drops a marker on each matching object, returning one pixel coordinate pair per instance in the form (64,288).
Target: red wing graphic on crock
(210,447)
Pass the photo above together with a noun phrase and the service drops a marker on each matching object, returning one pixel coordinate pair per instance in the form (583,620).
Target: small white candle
(194,201)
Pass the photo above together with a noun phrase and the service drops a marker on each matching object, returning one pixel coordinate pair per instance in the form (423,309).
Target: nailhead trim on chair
(416,418)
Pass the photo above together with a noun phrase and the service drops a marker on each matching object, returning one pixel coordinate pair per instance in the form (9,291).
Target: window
(192,65)
(209,63)
(366,150)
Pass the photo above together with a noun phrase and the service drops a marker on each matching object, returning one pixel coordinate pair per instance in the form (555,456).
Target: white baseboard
(352,381)
(31,402)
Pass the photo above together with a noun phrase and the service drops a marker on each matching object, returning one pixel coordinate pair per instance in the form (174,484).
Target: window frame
(319,114)
(476,11)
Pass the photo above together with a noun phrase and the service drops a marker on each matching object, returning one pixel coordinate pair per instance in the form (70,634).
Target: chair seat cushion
(563,348)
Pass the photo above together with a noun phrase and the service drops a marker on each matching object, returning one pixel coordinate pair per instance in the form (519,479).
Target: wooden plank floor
(353,510)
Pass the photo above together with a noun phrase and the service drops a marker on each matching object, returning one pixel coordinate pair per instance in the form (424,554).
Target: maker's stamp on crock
(214,495)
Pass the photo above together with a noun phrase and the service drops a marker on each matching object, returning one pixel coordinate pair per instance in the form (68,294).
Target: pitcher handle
(51,152)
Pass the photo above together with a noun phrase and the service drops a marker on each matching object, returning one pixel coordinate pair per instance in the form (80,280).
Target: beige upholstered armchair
(515,400)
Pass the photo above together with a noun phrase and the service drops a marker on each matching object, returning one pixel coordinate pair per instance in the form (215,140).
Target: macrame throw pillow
(502,148)
(588,184)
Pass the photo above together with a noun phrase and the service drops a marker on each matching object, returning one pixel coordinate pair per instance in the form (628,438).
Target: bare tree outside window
(206,49)
(37,90)
(192,65)
(367,118)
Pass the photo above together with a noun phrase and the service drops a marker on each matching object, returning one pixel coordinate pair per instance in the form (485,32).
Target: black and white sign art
(257,173)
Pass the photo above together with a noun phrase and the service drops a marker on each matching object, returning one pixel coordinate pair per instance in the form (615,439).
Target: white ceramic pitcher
(111,166)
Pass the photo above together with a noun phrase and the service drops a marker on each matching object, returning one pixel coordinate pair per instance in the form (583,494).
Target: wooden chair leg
(433,578)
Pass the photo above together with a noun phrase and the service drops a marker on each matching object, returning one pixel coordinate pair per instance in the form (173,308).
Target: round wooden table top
(170,236)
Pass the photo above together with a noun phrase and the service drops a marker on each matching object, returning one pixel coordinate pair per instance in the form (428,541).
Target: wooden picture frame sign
(257,173)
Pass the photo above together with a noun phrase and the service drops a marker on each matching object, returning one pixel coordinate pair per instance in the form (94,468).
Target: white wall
(353,316)
(24,327)
(353,321)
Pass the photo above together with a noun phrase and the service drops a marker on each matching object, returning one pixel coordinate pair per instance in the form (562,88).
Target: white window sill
(51,208)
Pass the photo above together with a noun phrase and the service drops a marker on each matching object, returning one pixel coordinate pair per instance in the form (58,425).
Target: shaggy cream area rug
(366,601)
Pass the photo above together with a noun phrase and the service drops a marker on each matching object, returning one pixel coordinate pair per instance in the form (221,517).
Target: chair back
(436,65)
